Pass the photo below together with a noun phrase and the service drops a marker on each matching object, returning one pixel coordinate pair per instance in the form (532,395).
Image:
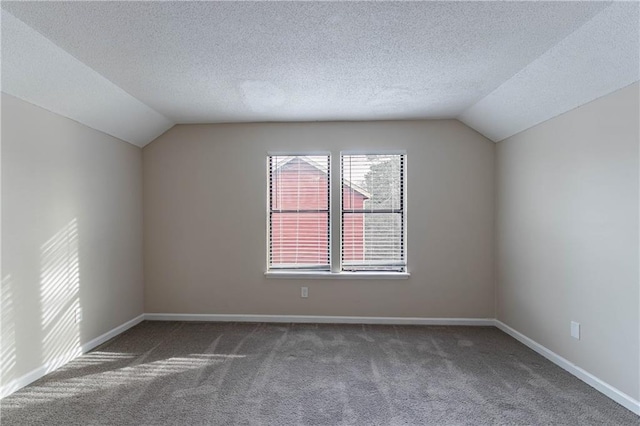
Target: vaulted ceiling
(134,69)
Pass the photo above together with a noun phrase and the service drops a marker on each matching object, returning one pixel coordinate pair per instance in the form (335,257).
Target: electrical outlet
(78,315)
(575,330)
(304,292)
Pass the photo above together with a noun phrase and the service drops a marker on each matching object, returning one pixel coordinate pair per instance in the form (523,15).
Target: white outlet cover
(304,292)
(575,330)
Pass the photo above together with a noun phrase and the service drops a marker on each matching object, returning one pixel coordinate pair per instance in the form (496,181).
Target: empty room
(320,213)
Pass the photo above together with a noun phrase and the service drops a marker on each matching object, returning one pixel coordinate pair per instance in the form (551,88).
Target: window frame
(335,221)
(401,211)
(270,212)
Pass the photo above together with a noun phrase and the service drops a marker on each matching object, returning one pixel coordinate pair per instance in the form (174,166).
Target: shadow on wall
(59,300)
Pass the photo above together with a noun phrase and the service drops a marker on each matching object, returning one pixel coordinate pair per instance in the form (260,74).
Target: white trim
(375,152)
(37,373)
(297,153)
(321,275)
(335,205)
(598,384)
(319,319)
(112,333)
(52,365)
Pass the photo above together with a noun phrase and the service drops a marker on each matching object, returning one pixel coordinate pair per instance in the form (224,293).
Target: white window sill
(315,275)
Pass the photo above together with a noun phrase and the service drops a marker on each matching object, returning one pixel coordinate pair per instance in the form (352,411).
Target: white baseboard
(320,319)
(112,333)
(33,375)
(605,388)
(37,373)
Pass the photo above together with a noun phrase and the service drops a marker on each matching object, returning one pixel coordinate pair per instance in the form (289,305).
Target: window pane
(299,239)
(374,178)
(372,241)
(299,183)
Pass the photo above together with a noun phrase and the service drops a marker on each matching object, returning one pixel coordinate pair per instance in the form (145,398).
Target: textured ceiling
(291,61)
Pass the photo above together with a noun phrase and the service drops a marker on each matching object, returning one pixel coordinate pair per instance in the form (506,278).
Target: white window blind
(299,212)
(373,213)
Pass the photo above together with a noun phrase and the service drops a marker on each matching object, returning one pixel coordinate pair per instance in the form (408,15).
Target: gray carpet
(174,373)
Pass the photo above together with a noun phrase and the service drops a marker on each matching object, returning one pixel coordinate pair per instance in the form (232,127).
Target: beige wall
(71,235)
(205,221)
(567,236)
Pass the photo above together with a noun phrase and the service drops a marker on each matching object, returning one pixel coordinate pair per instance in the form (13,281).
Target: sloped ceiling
(598,58)
(133,69)
(38,71)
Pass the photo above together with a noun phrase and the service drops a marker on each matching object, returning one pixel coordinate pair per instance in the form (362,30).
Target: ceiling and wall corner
(36,70)
(133,69)
(599,58)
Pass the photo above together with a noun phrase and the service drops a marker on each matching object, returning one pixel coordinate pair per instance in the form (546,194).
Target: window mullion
(336,216)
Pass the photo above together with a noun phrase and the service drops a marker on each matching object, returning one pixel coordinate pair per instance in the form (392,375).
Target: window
(367,201)
(373,219)
(299,215)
